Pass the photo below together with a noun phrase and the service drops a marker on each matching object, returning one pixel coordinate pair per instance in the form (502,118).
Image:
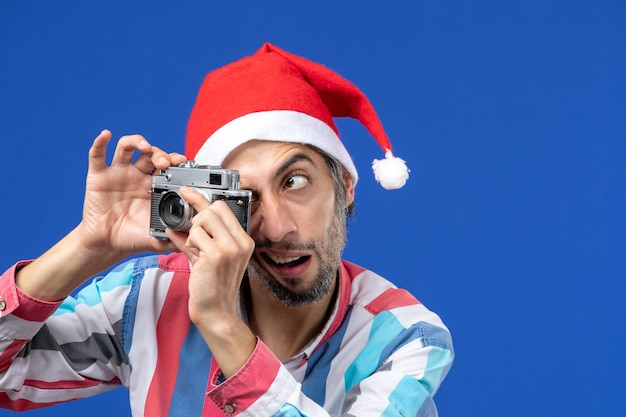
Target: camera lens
(175,213)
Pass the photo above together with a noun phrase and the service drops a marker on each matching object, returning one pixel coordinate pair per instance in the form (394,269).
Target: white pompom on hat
(275,95)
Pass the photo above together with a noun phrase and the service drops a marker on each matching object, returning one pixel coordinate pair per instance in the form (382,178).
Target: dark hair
(337,173)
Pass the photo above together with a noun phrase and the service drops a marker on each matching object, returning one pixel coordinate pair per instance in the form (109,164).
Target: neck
(285,330)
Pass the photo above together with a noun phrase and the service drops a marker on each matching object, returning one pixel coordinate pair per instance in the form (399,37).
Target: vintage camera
(169,210)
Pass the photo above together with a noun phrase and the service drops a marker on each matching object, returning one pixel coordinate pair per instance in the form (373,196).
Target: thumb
(179,239)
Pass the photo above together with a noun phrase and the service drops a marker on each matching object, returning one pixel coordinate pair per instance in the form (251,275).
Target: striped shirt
(381,353)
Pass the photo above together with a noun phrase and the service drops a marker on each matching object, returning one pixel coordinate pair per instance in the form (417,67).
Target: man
(270,323)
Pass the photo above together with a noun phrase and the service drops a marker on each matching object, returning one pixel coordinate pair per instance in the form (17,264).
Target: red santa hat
(275,95)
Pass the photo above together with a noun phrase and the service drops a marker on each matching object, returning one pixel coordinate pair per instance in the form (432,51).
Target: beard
(328,250)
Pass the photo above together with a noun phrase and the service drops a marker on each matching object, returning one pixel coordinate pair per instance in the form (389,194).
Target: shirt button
(3,305)
(229,408)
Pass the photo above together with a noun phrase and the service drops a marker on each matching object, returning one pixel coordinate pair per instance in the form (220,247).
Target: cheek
(316,216)
(307,217)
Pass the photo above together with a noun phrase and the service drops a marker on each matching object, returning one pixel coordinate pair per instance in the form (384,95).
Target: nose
(274,219)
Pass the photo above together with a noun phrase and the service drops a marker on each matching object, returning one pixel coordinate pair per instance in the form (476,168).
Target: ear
(347,180)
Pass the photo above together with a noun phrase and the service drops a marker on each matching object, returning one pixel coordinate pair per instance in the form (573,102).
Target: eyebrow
(300,156)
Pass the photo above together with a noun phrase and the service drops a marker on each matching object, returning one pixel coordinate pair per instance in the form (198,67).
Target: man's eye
(296,181)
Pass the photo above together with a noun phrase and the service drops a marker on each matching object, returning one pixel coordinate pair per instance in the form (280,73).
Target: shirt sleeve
(21,316)
(404,384)
(44,360)
(261,384)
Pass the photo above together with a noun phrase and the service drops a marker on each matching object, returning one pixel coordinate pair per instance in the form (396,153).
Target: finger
(225,222)
(216,241)
(199,241)
(195,198)
(218,222)
(163,160)
(179,241)
(226,215)
(144,164)
(177,158)
(159,158)
(230,220)
(126,148)
(155,158)
(97,152)
(211,224)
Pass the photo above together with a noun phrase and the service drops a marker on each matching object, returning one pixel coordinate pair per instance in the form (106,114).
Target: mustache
(285,245)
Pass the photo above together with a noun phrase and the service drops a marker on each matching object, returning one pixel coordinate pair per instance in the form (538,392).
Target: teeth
(282,260)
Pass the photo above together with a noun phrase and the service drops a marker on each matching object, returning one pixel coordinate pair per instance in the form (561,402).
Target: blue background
(510,114)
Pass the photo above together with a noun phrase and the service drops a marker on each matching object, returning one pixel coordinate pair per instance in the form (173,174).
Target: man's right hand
(115,224)
(116,211)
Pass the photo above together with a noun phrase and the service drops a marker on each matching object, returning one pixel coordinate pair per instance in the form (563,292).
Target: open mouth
(284,262)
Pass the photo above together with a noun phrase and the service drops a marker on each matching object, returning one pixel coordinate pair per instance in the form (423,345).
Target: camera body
(168,210)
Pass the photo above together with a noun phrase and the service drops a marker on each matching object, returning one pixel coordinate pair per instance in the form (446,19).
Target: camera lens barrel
(175,212)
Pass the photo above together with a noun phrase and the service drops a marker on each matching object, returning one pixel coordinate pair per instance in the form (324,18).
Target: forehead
(263,154)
